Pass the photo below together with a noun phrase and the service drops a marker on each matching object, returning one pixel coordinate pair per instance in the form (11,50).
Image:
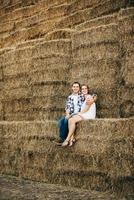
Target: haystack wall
(103,164)
(49,44)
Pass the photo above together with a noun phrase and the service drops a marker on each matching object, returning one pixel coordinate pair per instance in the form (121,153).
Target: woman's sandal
(65,143)
(71,143)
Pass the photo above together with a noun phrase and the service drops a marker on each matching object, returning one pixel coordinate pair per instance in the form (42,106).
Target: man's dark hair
(76,83)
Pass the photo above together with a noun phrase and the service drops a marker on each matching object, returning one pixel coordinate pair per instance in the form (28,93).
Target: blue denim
(63,128)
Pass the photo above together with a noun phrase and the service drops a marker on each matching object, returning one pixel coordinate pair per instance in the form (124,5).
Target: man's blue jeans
(63,128)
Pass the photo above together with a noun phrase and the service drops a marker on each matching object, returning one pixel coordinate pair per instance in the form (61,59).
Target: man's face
(76,88)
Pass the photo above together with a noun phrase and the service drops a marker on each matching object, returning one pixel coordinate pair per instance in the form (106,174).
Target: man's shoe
(58,142)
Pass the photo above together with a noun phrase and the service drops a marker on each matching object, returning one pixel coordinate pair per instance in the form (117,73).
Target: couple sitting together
(80,106)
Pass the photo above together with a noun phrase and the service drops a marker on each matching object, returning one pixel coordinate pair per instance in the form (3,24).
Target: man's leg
(63,128)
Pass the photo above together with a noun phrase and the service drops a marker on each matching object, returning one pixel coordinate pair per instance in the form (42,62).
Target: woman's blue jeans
(63,128)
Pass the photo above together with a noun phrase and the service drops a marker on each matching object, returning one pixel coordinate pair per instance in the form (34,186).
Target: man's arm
(67,107)
(92,100)
(67,114)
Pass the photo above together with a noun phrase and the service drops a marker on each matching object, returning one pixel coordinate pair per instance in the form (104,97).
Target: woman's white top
(91,113)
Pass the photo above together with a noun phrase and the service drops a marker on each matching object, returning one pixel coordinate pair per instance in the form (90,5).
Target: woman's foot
(65,143)
(71,143)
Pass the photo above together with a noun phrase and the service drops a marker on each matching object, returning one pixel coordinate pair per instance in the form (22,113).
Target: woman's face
(84,89)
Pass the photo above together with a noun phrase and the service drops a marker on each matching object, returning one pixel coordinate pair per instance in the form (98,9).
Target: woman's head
(85,89)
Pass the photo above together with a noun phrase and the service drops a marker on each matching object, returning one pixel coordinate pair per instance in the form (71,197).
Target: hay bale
(38,30)
(97,72)
(126,12)
(51,3)
(127,69)
(104,33)
(126,28)
(3,61)
(126,76)
(48,75)
(74,19)
(1,111)
(29,129)
(106,97)
(98,51)
(99,21)
(34,104)
(80,4)
(13,82)
(53,47)
(6,27)
(52,62)
(29,43)
(48,101)
(17,93)
(1,74)
(10,8)
(126,25)
(19,14)
(13,69)
(9,54)
(59,34)
(25,100)
(115,134)
(98,159)
(56,87)
(57,11)
(126,99)
(24,53)
(107,7)
(21,112)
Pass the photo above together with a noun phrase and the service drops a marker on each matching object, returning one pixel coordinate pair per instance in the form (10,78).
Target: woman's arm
(89,102)
(86,108)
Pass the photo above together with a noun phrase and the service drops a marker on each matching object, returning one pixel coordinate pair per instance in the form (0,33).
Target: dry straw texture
(102,157)
(99,52)
(46,45)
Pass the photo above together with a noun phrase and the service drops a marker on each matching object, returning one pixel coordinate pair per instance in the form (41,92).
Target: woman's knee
(71,120)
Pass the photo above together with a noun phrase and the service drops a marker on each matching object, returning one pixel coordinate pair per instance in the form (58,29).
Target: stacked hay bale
(79,43)
(7,6)
(97,45)
(101,160)
(126,88)
(101,51)
(33,91)
(96,62)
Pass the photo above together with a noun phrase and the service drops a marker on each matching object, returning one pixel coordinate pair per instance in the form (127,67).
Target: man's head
(76,87)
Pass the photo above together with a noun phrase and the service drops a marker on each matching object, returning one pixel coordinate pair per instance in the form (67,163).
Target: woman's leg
(72,126)
(72,140)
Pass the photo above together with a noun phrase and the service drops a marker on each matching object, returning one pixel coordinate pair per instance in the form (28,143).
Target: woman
(88,111)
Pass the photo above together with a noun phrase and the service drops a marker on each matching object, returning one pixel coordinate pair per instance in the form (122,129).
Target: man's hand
(67,115)
(89,102)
